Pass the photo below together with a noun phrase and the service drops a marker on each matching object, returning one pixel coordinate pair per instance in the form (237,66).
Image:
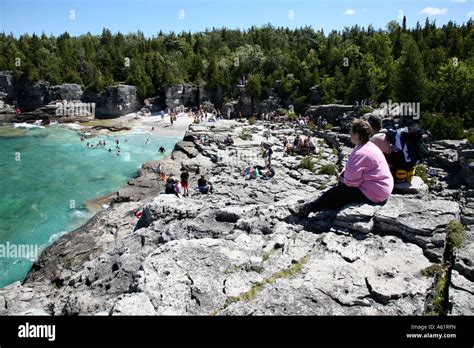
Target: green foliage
(307,163)
(455,234)
(409,76)
(422,172)
(328,126)
(245,135)
(432,270)
(252,120)
(432,65)
(292,116)
(470,136)
(257,287)
(439,298)
(443,126)
(328,169)
(364,110)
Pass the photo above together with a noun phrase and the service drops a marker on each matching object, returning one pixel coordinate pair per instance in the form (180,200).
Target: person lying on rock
(366,179)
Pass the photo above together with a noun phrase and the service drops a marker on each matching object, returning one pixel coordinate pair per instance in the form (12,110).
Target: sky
(150,16)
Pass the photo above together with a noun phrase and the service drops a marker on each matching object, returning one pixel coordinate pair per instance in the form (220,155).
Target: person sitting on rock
(268,170)
(204,186)
(177,187)
(251,172)
(296,142)
(228,140)
(170,186)
(378,135)
(311,146)
(305,148)
(366,179)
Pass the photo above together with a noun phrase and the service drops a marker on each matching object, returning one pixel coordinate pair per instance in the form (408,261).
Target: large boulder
(66,91)
(268,105)
(244,105)
(117,101)
(186,94)
(420,222)
(32,96)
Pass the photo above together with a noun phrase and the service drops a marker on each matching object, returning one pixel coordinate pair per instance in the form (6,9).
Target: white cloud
(349,12)
(470,14)
(434,11)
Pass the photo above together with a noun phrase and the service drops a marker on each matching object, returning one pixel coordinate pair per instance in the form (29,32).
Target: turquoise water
(48,174)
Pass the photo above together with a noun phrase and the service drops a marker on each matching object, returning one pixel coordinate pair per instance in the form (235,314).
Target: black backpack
(408,147)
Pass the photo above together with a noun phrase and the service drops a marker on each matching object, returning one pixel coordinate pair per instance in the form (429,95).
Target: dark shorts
(184,184)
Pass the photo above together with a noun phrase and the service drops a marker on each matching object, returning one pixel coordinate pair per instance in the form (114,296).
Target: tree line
(427,64)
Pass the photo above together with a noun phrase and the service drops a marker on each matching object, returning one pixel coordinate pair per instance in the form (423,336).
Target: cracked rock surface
(239,251)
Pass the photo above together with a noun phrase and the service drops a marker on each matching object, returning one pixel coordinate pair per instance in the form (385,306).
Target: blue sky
(150,16)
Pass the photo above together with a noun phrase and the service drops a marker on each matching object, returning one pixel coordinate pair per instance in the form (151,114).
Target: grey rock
(117,101)
(239,251)
(66,91)
(186,94)
(416,186)
(461,295)
(134,304)
(464,261)
(32,96)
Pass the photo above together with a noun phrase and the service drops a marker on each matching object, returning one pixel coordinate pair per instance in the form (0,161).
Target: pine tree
(409,74)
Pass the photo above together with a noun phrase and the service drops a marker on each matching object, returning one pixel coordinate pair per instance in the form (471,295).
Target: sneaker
(300,210)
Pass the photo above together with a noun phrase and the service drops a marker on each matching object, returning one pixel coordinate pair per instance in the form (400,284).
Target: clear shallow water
(47,175)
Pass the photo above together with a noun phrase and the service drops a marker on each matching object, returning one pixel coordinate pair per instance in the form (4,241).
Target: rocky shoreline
(240,252)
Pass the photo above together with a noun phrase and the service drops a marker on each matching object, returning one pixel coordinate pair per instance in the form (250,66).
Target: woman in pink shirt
(366,179)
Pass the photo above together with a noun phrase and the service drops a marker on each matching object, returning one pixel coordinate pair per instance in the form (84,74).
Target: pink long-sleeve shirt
(368,170)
